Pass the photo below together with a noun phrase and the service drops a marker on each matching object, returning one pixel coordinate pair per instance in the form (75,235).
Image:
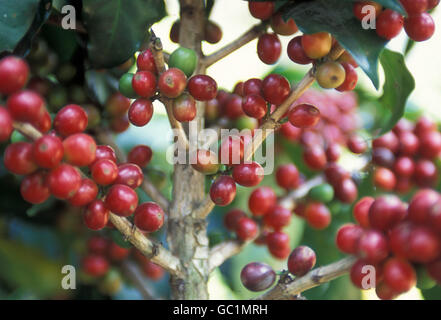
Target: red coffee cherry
(79,149)
(281,27)
(360,13)
(383,292)
(104,152)
(202,87)
(144,84)
(261,201)
(430,144)
(315,157)
(304,116)
(117,253)
(149,217)
(384,179)
(361,211)
(140,112)
(95,265)
(424,245)
(231,150)
(278,218)
(254,106)
(317,45)
(14,73)
(97,245)
(432,4)
(317,215)
(269,48)
(335,174)
(5,124)
(246,229)
(121,200)
(152,270)
(275,89)
(232,217)
(421,204)
(104,172)
(404,166)
(287,176)
(357,144)
(172,82)
(290,132)
(414,6)
(140,155)
(26,106)
(96,215)
(301,260)
(18,158)
(48,151)
(205,162)
(223,191)
(347,238)
(385,212)
(278,244)
(420,26)
(64,181)
(346,57)
(434,218)
(232,108)
(252,86)
(399,275)
(146,62)
(238,89)
(261,10)
(389,141)
(130,175)
(212,32)
(257,276)
(383,157)
(351,78)
(45,123)
(399,239)
(117,104)
(389,24)
(426,173)
(70,120)
(248,174)
(373,246)
(34,189)
(184,108)
(87,192)
(296,52)
(359,272)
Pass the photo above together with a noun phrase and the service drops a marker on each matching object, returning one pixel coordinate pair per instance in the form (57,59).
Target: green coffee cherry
(125,86)
(322,193)
(184,59)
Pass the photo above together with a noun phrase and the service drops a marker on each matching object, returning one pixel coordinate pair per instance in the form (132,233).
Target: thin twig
(132,271)
(224,251)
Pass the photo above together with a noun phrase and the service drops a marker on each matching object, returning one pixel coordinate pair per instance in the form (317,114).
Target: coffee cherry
(48,151)
(232,217)
(223,191)
(409,143)
(95,265)
(360,10)
(357,144)
(322,193)
(174,31)
(424,245)
(304,116)
(246,229)
(275,89)
(5,124)
(146,62)
(254,106)
(184,108)
(79,149)
(278,244)
(330,75)
(26,106)
(351,78)
(257,276)
(212,32)
(261,201)
(389,141)
(117,104)
(64,181)
(18,158)
(233,107)
(140,112)
(212,109)
(184,59)
(373,246)
(277,218)
(314,157)
(399,275)
(399,239)
(296,52)
(301,260)
(172,83)
(426,173)
(430,144)
(383,157)
(125,86)
(404,166)
(434,218)
(130,175)
(70,120)
(269,48)
(34,189)
(361,211)
(144,84)
(238,89)
(121,200)
(97,245)
(261,10)
(384,179)
(383,292)
(96,215)
(317,215)
(45,123)
(419,27)
(333,152)
(202,87)
(389,24)
(14,73)
(205,162)
(117,253)
(347,238)
(414,6)
(231,150)
(346,190)
(335,174)
(385,212)
(347,58)
(140,155)
(252,86)
(149,217)
(432,4)
(152,270)
(287,176)
(248,174)
(420,205)
(87,192)
(290,132)
(281,27)
(359,272)
(317,45)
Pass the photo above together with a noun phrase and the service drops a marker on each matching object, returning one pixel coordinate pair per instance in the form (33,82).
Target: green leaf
(117,28)
(432,294)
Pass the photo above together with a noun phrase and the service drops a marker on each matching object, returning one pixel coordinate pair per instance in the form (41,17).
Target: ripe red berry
(351,78)
(64,181)
(421,204)
(232,108)
(277,218)
(278,244)
(140,112)
(346,190)
(130,175)
(252,86)
(290,132)
(144,84)
(434,270)
(48,151)
(254,106)
(269,48)
(287,176)
(383,157)
(281,27)
(257,276)
(430,144)
(261,10)
(117,105)
(360,274)
(304,116)
(5,124)
(104,172)
(172,82)
(26,106)
(212,32)
(79,149)
(315,157)
(426,173)
(404,166)
(121,200)
(373,246)
(232,217)
(97,244)
(414,6)
(384,179)
(301,260)
(420,26)
(389,141)
(70,120)
(146,62)
(140,155)
(261,201)
(95,265)
(246,229)
(248,174)
(149,217)
(205,161)
(104,152)
(335,174)
(184,108)
(152,270)
(87,192)
(399,275)
(424,245)
(275,89)
(385,212)
(347,238)
(432,4)
(96,215)
(317,215)
(357,144)
(117,253)
(34,188)
(296,52)
(18,158)
(383,292)
(360,9)
(389,24)
(434,218)
(202,87)
(231,150)
(361,211)
(14,73)
(223,191)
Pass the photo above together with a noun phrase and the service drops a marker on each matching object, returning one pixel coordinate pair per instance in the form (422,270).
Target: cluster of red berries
(406,156)
(401,242)
(418,24)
